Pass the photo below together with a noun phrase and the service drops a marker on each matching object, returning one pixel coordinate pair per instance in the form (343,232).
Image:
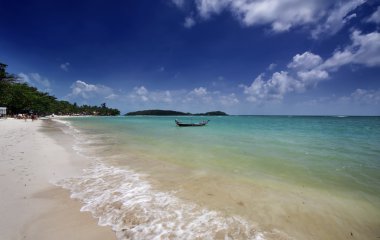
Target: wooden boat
(180,124)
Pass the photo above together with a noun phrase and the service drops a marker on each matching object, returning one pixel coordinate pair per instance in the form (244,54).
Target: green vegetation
(173,113)
(214,113)
(21,98)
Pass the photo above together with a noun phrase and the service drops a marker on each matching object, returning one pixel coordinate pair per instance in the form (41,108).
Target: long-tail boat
(199,124)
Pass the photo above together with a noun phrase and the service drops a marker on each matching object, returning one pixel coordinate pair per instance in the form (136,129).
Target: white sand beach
(30,205)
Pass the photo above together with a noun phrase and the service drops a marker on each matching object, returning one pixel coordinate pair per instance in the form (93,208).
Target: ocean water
(239,177)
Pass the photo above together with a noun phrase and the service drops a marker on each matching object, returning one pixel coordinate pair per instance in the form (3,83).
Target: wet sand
(31,206)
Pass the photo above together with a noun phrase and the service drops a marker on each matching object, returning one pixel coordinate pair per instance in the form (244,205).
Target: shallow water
(240,177)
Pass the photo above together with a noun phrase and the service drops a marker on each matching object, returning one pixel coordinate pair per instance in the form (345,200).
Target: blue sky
(239,56)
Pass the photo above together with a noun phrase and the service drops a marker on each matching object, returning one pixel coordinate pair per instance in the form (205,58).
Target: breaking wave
(120,198)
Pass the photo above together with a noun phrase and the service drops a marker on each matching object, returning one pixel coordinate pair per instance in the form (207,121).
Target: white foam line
(120,198)
(80,139)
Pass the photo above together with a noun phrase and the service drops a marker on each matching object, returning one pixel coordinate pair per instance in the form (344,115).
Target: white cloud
(272,89)
(363,96)
(303,72)
(280,14)
(339,59)
(162,96)
(65,66)
(321,17)
(228,100)
(142,91)
(36,80)
(200,92)
(24,77)
(364,50)
(142,94)
(271,66)
(40,80)
(198,98)
(336,18)
(307,60)
(189,22)
(306,70)
(112,96)
(179,3)
(81,89)
(375,17)
(200,95)
(312,76)
(208,7)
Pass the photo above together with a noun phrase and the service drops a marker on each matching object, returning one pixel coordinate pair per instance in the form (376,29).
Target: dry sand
(31,207)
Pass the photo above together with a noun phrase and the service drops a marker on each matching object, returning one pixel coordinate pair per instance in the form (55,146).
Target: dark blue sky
(243,57)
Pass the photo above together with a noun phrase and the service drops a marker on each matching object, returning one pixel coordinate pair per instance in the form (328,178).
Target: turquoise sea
(239,177)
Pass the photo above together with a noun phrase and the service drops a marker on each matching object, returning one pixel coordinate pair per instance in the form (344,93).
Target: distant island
(157,112)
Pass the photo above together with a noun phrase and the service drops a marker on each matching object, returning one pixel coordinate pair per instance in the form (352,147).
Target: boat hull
(179,124)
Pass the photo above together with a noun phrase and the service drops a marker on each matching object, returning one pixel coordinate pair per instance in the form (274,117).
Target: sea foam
(122,199)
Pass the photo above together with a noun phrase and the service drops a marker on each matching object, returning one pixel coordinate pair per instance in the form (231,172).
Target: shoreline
(280,213)
(31,205)
(37,198)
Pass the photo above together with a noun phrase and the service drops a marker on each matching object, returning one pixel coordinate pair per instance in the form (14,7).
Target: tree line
(158,112)
(19,97)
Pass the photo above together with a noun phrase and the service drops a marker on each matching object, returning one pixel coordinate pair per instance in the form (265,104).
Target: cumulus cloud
(302,73)
(364,50)
(306,67)
(307,60)
(140,93)
(306,70)
(81,89)
(65,66)
(375,17)
(272,89)
(189,22)
(313,76)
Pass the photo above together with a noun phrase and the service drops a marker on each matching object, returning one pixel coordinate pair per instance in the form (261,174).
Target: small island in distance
(158,112)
